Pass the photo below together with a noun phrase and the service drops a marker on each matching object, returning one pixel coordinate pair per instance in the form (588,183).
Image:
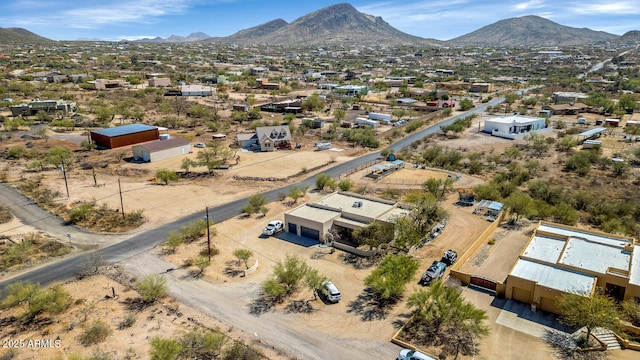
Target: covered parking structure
(591,134)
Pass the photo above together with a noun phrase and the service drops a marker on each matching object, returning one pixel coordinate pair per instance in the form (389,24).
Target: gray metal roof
(158,145)
(124,130)
(592,131)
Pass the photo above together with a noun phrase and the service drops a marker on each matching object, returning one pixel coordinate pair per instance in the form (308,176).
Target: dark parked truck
(435,271)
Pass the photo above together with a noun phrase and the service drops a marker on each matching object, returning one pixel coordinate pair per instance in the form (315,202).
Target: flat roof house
(342,209)
(118,136)
(159,82)
(561,259)
(511,127)
(196,90)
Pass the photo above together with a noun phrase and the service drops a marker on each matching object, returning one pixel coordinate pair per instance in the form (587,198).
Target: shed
(115,137)
(161,149)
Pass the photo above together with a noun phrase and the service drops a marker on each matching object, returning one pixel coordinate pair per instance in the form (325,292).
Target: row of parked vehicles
(437,268)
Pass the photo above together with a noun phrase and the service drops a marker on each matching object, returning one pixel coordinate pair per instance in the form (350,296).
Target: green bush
(164,349)
(96,333)
(152,287)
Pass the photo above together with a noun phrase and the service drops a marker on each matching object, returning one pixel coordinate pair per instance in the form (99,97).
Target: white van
(330,292)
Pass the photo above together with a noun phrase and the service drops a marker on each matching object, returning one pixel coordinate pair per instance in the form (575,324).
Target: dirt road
(229,303)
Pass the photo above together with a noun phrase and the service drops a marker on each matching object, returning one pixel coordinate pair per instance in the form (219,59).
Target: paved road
(29,213)
(232,308)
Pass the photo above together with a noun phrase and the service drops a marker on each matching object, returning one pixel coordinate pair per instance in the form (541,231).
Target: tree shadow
(299,307)
(564,347)
(359,262)
(261,305)
(136,304)
(401,321)
(370,306)
(231,269)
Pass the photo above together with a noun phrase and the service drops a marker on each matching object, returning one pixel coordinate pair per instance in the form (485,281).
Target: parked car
(399,123)
(449,257)
(408,354)
(273,227)
(330,292)
(200,145)
(435,271)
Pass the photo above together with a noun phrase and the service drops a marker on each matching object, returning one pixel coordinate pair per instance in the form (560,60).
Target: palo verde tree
(243,255)
(390,278)
(166,175)
(597,310)
(257,203)
(285,278)
(443,318)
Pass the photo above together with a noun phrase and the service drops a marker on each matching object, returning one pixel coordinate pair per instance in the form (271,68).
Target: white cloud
(531,4)
(623,7)
(124,12)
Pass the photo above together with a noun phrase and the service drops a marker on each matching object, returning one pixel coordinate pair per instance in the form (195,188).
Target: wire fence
(392,181)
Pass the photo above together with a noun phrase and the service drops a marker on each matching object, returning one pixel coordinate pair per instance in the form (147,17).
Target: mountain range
(343,25)
(19,36)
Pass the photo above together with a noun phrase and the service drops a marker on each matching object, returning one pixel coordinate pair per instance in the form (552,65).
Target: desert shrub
(127,322)
(152,287)
(193,231)
(36,300)
(97,332)
(81,212)
(201,344)
(174,240)
(240,350)
(163,349)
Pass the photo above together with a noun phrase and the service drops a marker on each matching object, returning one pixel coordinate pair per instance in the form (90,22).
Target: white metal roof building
(513,126)
(561,259)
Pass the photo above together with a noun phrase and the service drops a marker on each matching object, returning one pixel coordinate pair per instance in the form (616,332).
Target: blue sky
(439,19)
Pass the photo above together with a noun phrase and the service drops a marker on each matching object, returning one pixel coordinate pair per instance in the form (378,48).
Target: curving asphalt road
(30,214)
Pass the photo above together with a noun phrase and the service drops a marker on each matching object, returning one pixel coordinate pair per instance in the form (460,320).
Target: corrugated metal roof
(592,131)
(124,130)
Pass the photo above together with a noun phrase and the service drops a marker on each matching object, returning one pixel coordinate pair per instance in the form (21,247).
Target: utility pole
(95,181)
(121,203)
(64,173)
(208,234)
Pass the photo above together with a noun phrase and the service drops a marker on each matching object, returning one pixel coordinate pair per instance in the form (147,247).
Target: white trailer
(368,122)
(380,117)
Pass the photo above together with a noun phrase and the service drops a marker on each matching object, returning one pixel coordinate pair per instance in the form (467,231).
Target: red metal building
(118,136)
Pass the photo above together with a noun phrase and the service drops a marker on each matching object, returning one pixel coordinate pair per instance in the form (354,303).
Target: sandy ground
(95,302)
(496,261)
(163,204)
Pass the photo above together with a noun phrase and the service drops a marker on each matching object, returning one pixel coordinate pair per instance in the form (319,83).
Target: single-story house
(482,88)
(161,149)
(103,84)
(196,90)
(246,140)
(566,109)
(33,106)
(271,138)
(160,82)
(339,209)
(512,126)
(560,259)
(118,136)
